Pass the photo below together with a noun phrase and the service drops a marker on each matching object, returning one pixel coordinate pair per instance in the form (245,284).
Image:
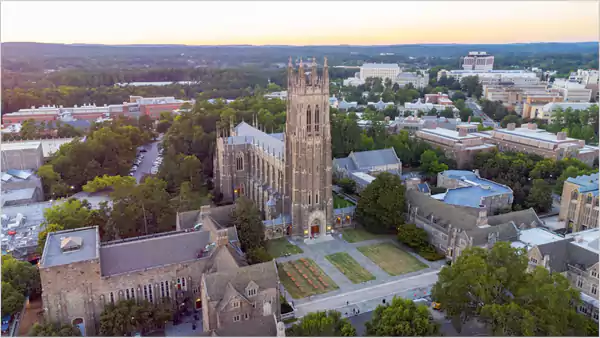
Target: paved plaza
(363,297)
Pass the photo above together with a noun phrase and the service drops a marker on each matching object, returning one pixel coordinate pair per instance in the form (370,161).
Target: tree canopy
(401,317)
(128,316)
(322,324)
(495,287)
(54,330)
(381,205)
(19,279)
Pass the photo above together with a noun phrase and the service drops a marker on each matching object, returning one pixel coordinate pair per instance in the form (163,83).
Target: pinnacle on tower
(313,74)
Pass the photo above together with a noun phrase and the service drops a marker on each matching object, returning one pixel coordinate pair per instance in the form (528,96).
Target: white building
(572,91)
(277,95)
(418,80)
(493,76)
(585,77)
(414,108)
(551,107)
(353,81)
(478,61)
(379,70)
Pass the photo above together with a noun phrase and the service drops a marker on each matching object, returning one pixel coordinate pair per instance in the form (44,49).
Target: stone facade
(77,283)
(288,175)
(579,205)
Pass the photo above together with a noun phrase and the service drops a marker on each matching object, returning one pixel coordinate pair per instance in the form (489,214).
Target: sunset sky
(299,23)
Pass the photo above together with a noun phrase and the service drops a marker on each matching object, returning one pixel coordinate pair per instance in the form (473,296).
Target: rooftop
(249,134)
(49,146)
(21,145)
(148,252)
(447,133)
(54,255)
(535,134)
(586,183)
(363,177)
(537,236)
(380,65)
(476,188)
(588,239)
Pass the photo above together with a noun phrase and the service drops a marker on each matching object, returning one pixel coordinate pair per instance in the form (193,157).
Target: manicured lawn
(279,247)
(339,202)
(303,278)
(359,234)
(350,267)
(391,259)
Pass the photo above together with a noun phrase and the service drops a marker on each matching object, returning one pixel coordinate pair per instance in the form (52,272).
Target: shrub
(430,253)
(412,236)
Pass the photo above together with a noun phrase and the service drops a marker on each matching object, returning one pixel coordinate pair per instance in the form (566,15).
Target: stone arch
(278,232)
(317,217)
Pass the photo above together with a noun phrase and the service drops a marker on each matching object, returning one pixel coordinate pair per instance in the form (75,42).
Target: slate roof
(264,275)
(558,253)
(371,158)
(151,251)
(520,218)
(259,327)
(344,163)
(504,231)
(444,214)
(266,141)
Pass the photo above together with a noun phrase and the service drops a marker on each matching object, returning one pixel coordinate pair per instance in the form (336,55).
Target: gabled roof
(503,232)
(444,214)
(264,275)
(264,326)
(520,218)
(558,254)
(230,294)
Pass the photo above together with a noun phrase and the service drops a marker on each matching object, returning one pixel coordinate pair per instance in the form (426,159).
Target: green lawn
(339,202)
(359,234)
(350,267)
(391,259)
(292,276)
(279,247)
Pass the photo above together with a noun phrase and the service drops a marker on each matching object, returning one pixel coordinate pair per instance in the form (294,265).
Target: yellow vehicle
(436,306)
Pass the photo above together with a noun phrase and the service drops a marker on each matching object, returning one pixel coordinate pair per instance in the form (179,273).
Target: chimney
(561,136)
(482,217)
(462,132)
(531,126)
(511,126)
(222,238)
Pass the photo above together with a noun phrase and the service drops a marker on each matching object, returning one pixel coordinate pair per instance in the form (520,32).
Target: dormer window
(69,244)
(235,303)
(252,292)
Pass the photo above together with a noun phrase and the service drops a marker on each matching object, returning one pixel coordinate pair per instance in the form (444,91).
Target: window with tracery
(317,118)
(308,119)
(239,163)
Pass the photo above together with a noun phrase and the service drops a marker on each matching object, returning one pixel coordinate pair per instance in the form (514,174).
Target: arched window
(317,113)
(574,195)
(309,198)
(308,119)
(317,198)
(239,163)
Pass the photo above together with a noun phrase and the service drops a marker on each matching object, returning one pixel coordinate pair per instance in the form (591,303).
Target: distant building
(530,139)
(363,166)
(580,202)
(585,76)
(22,155)
(533,104)
(549,108)
(439,98)
(459,145)
(571,91)
(277,95)
(379,70)
(20,187)
(492,76)
(344,105)
(380,105)
(466,188)
(418,80)
(478,61)
(425,107)
(413,124)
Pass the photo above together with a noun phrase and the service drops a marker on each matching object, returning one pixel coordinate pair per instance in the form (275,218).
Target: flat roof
(54,256)
(536,134)
(451,134)
(21,145)
(587,239)
(472,194)
(364,176)
(538,236)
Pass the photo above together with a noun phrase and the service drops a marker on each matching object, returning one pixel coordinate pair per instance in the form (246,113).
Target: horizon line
(292,45)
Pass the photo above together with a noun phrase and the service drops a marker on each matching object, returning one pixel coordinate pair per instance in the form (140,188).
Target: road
(477,112)
(146,166)
(367,299)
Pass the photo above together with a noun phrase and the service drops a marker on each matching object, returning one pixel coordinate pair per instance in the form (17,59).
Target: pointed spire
(313,73)
(301,74)
(325,76)
(290,75)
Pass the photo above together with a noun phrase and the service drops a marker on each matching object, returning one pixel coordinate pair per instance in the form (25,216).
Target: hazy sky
(299,23)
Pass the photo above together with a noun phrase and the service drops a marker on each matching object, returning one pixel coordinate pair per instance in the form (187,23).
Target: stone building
(288,175)
(362,166)
(452,229)
(80,275)
(580,202)
(576,257)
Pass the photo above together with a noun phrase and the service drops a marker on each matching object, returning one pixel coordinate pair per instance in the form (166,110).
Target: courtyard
(350,267)
(339,202)
(281,247)
(392,259)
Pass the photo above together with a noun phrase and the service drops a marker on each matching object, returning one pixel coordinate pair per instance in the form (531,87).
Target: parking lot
(147,162)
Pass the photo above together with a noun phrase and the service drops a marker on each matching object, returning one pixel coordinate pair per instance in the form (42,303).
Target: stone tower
(308,152)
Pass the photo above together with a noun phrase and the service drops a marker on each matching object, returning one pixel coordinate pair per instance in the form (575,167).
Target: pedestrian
(347,303)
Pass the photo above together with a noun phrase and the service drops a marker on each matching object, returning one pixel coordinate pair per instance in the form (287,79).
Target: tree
(511,118)
(128,316)
(471,86)
(430,163)
(54,330)
(348,185)
(21,275)
(540,196)
(249,225)
(412,236)
(322,324)
(29,130)
(495,287)
(105,182)
(458,96)
(70,214)
(54,186)
(447,113)
(188,199)
(12,299)
(381,204)
(258,255)
(402,317)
